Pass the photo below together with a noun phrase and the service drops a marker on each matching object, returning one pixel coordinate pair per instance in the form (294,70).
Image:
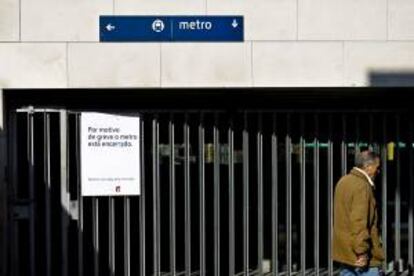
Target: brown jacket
(355,221)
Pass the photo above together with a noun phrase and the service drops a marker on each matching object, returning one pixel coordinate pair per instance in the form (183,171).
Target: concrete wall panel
(199,65)
(297,64)
(114,65)
(9,20)
(342,19)
(33,65)
(159,7)
(401,19)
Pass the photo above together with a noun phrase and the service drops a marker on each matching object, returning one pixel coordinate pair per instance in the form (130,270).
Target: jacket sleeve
(359,219)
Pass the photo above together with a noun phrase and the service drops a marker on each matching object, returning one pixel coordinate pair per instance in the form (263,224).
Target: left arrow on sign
(110,27)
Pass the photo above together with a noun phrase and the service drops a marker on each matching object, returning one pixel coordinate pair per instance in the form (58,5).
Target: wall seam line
(160,64)
(409,41)
(251,64)
(387,21)
(20,20)
(297,19)
(206,7)
(67,66)
(343,63)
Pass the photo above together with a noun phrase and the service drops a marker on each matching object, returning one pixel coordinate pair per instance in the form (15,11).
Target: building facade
(302,44)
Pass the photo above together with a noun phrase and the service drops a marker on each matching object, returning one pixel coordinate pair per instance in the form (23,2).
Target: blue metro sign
(171,28)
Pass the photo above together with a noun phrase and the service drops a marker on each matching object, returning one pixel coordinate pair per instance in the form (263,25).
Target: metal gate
(242,192)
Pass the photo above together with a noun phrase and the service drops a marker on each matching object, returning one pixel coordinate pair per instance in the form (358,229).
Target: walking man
(356,243)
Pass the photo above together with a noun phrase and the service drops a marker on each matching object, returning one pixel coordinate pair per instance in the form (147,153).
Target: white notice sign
(110,154)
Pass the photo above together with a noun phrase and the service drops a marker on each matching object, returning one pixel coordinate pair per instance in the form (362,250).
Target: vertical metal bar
(216,141)
(275,194)
(127,236)
(4,199)
(344,149)
(80,198)
(288,155)
(187,197)
(411,198)
(111,235)
(260,196)
(171,130)
(371,130)
(14,225)
(47,181)
(64,191)
(156,198)
(330,197)
(397,194)
(95,218)
(32,212)
(303,197)
(316,180)
(231,202)
(384,188)
(142,224)
(357,134)
(201,169)
(246,197)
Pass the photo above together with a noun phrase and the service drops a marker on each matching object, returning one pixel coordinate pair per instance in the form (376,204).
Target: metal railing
(224,193)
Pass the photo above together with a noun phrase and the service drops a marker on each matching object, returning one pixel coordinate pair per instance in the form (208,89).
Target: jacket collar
(360,173)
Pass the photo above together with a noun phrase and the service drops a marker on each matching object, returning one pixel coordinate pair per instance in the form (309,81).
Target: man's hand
(362,260)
